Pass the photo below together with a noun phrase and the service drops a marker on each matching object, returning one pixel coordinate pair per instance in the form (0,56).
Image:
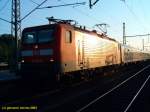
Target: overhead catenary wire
(5,4)
(144,14)
(138,20)
(134,15)
(38,5)
(34,2)
(82,12)
(83,3)
(33,10)
(26,14)
(5,20)
(72,4)
(137,35)
(2,19)
(87,15)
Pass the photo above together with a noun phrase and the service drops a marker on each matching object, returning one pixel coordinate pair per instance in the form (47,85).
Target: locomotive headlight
(51,60)
(22,61)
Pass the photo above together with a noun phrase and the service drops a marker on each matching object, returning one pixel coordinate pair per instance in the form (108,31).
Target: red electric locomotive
(60,50)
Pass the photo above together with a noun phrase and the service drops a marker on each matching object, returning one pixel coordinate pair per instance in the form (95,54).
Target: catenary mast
(15,30)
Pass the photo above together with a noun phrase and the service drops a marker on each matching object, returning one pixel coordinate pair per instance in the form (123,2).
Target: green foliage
(6,47)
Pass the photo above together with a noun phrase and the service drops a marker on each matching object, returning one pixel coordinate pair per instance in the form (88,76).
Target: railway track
(70,99)
(122,97)
(113,96)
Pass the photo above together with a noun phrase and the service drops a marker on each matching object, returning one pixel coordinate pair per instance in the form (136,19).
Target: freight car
(61,50)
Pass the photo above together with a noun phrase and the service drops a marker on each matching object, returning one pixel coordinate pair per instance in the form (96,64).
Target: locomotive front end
(38,52)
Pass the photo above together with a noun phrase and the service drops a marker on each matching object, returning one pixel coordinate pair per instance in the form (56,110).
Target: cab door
(68,54)
(80,44)
(80,53)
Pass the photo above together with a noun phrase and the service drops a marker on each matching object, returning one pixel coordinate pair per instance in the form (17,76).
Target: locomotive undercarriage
(50,73)
(93,73)
(87,74)
(38,71)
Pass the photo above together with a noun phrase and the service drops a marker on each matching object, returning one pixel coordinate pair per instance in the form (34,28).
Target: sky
(135,14)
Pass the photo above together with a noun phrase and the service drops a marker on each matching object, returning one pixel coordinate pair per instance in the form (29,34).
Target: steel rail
(137,94)
(109,91)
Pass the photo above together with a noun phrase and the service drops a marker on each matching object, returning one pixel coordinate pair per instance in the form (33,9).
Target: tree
(6,47)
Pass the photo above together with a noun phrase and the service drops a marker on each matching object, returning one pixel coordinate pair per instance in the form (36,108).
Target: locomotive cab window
(29,38)
(68,37)
(45,36)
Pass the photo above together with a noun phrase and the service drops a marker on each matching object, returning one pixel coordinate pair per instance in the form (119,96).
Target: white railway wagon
(130,54)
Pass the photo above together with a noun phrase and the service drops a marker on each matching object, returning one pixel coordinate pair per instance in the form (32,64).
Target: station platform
(6,75)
